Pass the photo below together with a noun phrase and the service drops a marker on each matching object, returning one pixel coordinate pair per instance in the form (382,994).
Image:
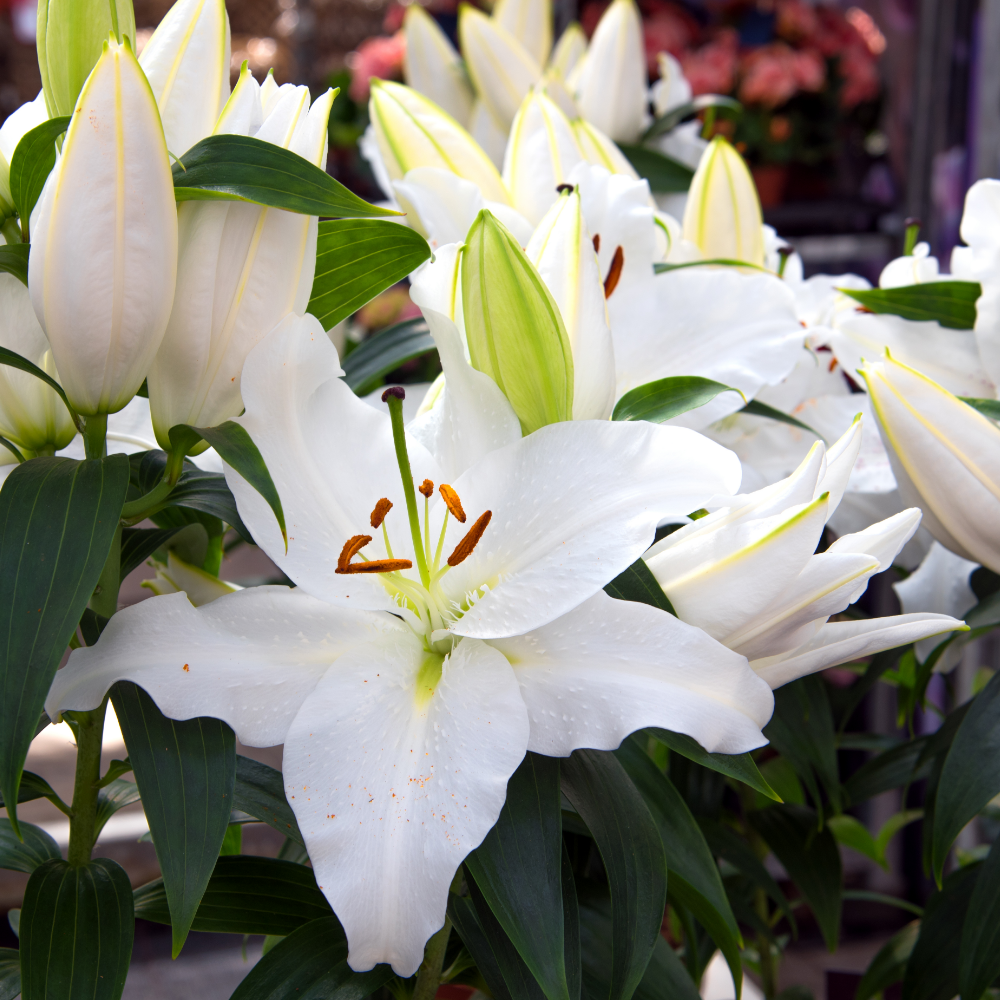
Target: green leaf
(245,895)
(373,359)
(58,518)
(76,931)
(665,174)
(852,833)
(694,878)
(987,407)
(465,919)
(115,795)
(37,848)
(673,118)
(10,973)
(236,449)
(740,766)
(758,409)
(630,847)
(185,773)
(14,260)
(31,164)
(240,168)
(138,544)
(950,303)
(662,267)
(14,360)
(892,769)
(518,866)
(260,791)
(932,973)
(864,896)
(810,857)
(638,584)
(33,786)
(979,952)
(668,397)
(891,827)
(358,258)
(971,773)
(311,963)
(889,965)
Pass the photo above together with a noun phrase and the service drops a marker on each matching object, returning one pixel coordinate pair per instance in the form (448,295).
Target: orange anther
(381,509)
(351,548)
(377,566)
(464,548)
(452,501)
(614,272)
(426,488)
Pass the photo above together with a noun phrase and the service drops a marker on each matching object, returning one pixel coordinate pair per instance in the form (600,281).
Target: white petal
(530,22)
(18,123)
(840,459)
(249,658)
(490,136)
(432,66)
(446,205)
(610,668)
(882,540)
(391,792)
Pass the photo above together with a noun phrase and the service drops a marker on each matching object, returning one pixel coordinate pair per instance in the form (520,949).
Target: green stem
(429,973)
(768,966)
(910,236)
(89,729)
(105,598)
(394,397)
(11,230)
(137,510)
(95,432)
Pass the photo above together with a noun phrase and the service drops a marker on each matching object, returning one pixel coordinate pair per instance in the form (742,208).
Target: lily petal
(432,66)
(530,22)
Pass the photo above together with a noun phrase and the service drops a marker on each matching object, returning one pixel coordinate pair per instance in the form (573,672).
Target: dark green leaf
(76,932)
(810,857)
(58,518)
(932,973)
(374,358)
(310,964)
(662,267)
(240,168)
(694,878)
(185,773)
(665,174)
(979,954)
(517,868)
(33,786)
(31,164)
(971,773)
(12,448)
(235,448)
(877,666)
(10,973)
(358,258)
(667,398)
(758,409)
(638,584)
(950,303)
(673,118)
(14,360)
(260,791)
(14,260)
(115,795)
(888,966)
(864,896)
(892,769)
(245,895)
(463,915)
(630,847)
(37,848)
(740,766)
(987,407)
(138,544)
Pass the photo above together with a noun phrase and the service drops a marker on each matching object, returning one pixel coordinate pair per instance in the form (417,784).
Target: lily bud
(104,257)
(945,456)
(513,326)
(242,269)
(723,216)
(187,65)
(181,577)
(530,22)
(598,149)
(569,50)
(502,69)
(412,131)
(27,117)
(70,36)
(611,88)
(432,66)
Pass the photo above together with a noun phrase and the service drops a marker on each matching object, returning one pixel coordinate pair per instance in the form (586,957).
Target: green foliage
(14,260)
(665,174)
(638,584)
(667,398)
(34,847)
(368,364)
(950,303)
(31,164)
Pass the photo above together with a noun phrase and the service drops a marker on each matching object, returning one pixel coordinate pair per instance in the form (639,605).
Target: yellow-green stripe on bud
(723,217)
(513,326)
(70,38)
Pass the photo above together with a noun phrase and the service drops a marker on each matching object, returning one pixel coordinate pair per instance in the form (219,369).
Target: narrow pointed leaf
(638,584)
(185,773)
(979,954)
(673,118)
(892,769)
(58,518)
(76,931)
(31,164)
(358,258)
(987,407)
(374,358)
(665,174)
(241,168)
(14,260)
(889,964)
(260,791)
(462,911)
(10,973)
(37,848)
(758,409)
(950,303)
(115,795)
(667,398)
(138,544)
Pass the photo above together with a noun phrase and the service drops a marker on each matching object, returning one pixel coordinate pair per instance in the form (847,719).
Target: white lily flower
(24,119)
(242,269)
(406,697)
(179,577)
(749,575)
(611,86)
(530,22)
(945,456)
(104,255)
(187,64)
(912,269)
(569,50)
(433,67)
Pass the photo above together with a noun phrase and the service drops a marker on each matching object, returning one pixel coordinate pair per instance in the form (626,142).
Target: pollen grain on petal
(464,548)
(426,488)
(381,509)
(377,566)
(614,272)
(452,501)
(351,548)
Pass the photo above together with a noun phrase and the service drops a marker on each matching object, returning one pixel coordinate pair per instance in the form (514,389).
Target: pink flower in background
(377,56)
(859,72)
(796,21)
(773,74)
(809,69)
(712,68)
(665,28)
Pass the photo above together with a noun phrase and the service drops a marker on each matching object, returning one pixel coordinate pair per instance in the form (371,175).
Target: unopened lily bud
(23,120)
(70,36)
(432,66)
(723,216)
(104,254)
(187,65)
(569,50)
(513,326)
(530,22)
(598,149)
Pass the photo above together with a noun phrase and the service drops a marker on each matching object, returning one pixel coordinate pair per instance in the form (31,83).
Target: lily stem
(89,729)
(95,433)
(429,973)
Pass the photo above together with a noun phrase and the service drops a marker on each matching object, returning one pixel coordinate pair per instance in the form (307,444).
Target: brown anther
(394,390)
(597,242)
(614,272)
(378,566)
(464,548)
(381,509)
(563,188)
(450,498)
(426,488)
(351,548)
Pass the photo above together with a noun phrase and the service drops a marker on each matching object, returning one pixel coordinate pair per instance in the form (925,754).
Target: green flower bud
(513,326)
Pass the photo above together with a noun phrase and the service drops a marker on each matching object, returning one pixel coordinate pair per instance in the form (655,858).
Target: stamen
(452,501)
(351,548)
(597,242)
(426,488)
(381,509)
(564,188)
(614,272)
(464,548)
(377,566)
